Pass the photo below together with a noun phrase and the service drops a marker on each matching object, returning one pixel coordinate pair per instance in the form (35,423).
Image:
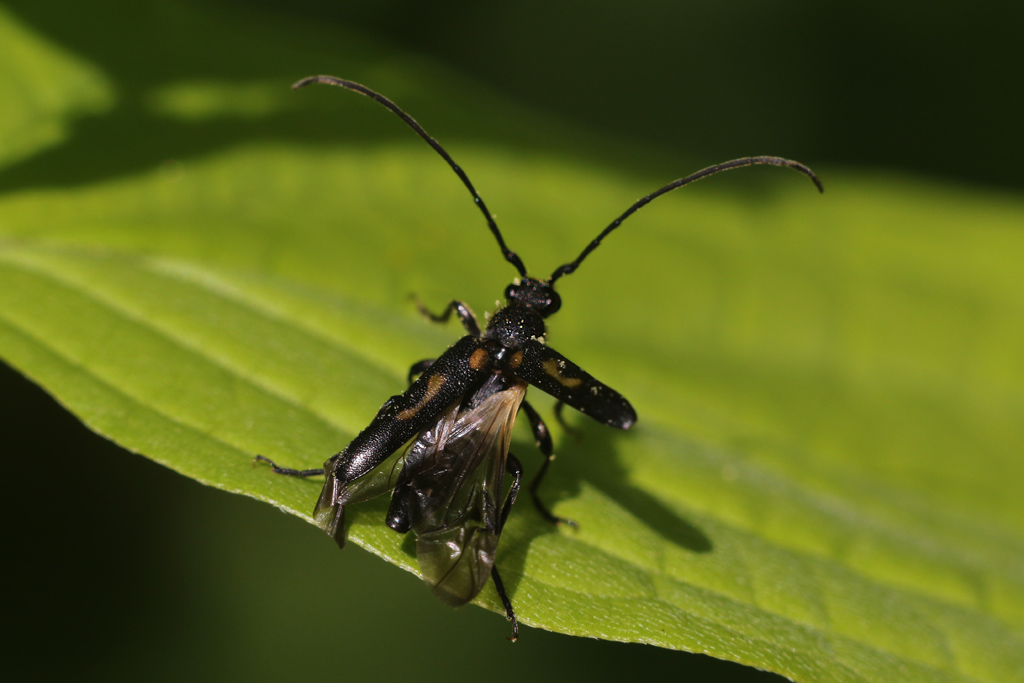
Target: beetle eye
(554,303)
(511,292)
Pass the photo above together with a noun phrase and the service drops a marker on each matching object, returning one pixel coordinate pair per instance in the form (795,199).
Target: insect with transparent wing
(458,415)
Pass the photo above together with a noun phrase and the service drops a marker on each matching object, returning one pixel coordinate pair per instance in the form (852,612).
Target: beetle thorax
(514,324)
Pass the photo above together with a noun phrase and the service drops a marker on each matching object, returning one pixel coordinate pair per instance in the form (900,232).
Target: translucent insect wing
(457,477)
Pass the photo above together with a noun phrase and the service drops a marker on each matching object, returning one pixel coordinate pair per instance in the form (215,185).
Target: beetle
(458,411)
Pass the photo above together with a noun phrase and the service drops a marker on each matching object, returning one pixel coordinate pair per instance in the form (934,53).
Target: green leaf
(825,478)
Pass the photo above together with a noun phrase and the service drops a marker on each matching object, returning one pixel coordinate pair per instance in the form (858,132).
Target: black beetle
(458,414)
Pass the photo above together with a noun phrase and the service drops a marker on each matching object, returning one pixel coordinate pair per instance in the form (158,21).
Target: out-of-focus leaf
(43,89)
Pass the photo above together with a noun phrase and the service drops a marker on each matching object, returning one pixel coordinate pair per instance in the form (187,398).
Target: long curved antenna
(509,255)
(703,173)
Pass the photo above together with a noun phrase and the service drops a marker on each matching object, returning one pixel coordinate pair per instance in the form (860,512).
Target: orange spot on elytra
(434,385)
(478,359)
(552,367)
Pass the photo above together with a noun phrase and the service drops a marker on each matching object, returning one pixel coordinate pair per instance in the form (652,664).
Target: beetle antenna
(509,255)
(703,173)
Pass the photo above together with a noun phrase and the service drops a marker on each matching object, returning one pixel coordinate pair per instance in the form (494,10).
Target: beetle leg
(543,438)
(540,430)
(541,508)
(419,368)
(559,415)
(513,467)
(288,471)
(510,613)
(466,316)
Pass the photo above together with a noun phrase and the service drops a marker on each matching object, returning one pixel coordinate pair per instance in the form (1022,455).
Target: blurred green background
(194,582)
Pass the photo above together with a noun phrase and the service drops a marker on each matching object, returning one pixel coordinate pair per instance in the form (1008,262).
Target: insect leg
(543,439)
(466,316)
(559,410)
(419,368)
(540,430)
(288,471)
(513,467)
(510,613)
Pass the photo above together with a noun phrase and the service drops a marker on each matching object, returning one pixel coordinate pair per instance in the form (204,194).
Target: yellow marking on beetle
(516,360)
(478,359)
(434,385)
(553,368)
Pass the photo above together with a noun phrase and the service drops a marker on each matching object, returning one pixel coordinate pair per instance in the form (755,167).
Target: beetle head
(537,295)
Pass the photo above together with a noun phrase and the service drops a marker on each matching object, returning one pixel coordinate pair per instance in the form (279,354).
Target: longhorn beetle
(458,414)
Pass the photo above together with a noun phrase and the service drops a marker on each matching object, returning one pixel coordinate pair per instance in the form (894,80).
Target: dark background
(931,87)
(121,569)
